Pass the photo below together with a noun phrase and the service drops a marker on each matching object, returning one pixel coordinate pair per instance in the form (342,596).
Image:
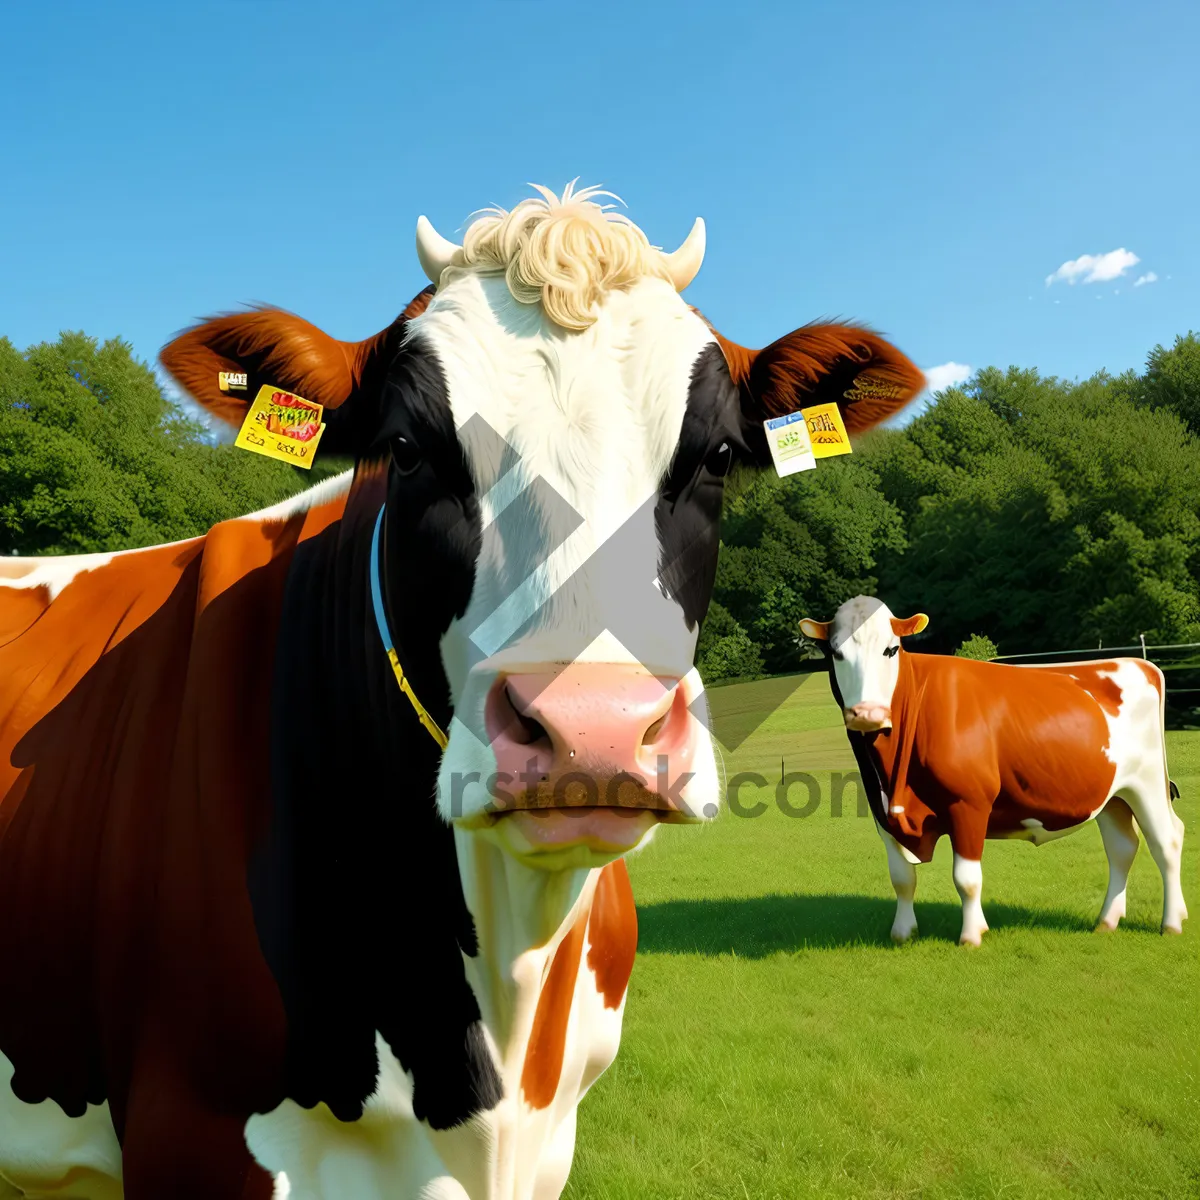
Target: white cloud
(1149,277)
(938,379)
(1094,268)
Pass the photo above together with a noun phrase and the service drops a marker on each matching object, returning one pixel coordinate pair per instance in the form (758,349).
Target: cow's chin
(567,839)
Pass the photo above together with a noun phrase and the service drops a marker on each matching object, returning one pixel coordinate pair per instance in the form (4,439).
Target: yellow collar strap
(431,726)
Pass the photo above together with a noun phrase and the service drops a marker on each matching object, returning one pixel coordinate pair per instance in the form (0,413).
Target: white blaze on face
(595,415)
(866,661)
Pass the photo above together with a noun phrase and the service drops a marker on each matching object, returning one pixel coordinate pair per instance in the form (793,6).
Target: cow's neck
(355,885)
(521,915)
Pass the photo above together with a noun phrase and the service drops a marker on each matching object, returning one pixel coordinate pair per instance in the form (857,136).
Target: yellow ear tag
(827,431)
(282,425)
(231,381)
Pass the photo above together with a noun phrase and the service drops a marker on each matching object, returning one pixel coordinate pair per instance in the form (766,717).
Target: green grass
(777,1044)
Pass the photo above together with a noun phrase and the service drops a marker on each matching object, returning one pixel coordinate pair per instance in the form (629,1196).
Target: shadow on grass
(756,926)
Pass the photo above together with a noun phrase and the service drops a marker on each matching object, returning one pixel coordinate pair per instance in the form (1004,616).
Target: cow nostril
(521,728)
(651,734)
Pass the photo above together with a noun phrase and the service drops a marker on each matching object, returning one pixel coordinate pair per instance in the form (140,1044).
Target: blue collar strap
(385,635)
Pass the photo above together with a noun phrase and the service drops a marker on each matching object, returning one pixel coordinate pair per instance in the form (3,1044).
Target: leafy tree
(1053,513)
(1172,380)
(978,646)
(725,650)
(95,457)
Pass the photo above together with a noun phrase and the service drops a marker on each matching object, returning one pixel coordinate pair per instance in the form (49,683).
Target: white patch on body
(43,1151)
(52,572)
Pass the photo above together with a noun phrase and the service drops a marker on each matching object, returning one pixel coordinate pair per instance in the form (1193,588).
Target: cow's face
(597,459)
(564,490)
(863,639)
(556,425)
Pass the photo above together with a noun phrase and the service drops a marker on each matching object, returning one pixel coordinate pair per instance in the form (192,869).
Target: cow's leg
(1163,831)
(1120,844)
(968,828)
(968,879)
(904,880)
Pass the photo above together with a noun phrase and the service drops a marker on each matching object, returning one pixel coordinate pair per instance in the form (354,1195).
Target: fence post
(1142,636)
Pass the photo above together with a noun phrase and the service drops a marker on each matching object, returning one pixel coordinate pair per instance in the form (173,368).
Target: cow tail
(1172,789)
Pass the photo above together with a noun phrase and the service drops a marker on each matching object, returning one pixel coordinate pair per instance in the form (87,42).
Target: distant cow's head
(555,425)
(864,641)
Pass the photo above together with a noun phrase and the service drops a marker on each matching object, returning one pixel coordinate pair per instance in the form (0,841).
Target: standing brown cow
(985,750)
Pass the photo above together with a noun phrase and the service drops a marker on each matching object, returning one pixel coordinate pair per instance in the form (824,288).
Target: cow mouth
(865,725)
(601,828)
(550,832)
(615,824)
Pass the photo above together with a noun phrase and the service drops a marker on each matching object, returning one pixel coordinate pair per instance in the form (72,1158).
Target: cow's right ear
(907,626)
(277,348)
(817,630)
(848,365)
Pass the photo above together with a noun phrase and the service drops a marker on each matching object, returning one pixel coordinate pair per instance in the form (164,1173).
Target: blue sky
(924,167)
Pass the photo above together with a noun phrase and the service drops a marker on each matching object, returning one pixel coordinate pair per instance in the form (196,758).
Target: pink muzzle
(868,717)
(593,752)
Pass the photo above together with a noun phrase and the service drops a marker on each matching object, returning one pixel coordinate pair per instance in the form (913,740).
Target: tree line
(1021,512)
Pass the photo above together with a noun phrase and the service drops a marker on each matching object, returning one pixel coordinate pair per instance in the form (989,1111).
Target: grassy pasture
(778,1045)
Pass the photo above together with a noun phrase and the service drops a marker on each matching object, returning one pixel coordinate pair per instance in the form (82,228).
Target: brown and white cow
(980,750)
(285,913)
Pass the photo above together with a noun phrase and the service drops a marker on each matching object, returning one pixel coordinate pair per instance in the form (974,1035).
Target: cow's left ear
(277,348)
(817,630)
(866,376)
(907,626)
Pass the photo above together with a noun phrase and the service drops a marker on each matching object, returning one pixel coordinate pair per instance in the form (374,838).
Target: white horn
(434,251)
(684,264)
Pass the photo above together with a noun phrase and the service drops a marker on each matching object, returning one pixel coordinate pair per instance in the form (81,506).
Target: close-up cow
(977,750)
(311,827)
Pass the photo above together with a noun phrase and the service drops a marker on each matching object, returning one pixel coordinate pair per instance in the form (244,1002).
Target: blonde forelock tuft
(564,252)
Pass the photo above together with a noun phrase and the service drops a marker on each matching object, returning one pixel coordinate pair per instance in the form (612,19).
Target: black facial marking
(862,746)
(688,515)
(356,892)
(891,651)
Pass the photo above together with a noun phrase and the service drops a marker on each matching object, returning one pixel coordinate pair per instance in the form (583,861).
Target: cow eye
(406,455)
(891,652)
(838,655)
(720,461)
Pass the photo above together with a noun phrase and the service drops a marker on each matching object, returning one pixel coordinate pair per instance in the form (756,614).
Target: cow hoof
(1176,929)
(900,936)
(1108,926)
(971,939)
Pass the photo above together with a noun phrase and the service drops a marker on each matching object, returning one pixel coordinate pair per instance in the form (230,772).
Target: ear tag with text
(827,431)
(791,447)
(231,381)
(283,426)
